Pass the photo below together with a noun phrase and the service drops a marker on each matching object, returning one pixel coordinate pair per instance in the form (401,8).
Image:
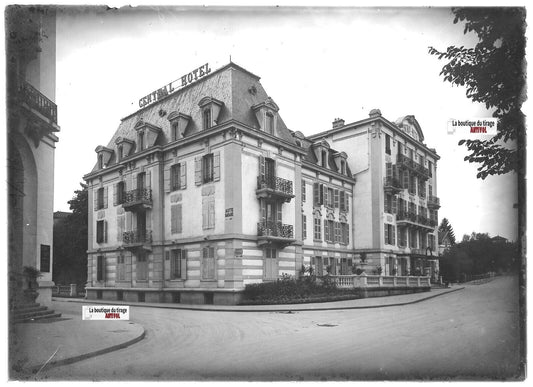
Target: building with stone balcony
(204,190)
(31,139)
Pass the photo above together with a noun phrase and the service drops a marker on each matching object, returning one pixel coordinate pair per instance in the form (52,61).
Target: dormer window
(174,131)
(207,119)
(141,141)
(100,161)
(178,125)
(124,147)
(343,167)
(104,156)
(120,152)
(324,159)
(270,123)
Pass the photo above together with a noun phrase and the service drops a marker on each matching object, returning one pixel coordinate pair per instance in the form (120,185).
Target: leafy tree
(446,228)
(493,73)
(70,242)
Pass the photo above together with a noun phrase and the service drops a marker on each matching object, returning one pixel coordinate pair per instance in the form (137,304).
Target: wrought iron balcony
(140,198)
(425,252)
(36,100)
(433,202)
(274,187)
(275,232)
(412,219)
(392,184)
(419,169)
(137,238)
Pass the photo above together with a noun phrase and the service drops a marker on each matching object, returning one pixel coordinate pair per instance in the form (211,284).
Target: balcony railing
(392,184)
(416,220)
(404,161)
(433,202)
(277,186)
(36,100)
(275,229)
(363,281)
(137,237)
(137,197)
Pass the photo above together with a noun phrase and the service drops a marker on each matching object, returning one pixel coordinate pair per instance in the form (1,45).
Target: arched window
(207,118)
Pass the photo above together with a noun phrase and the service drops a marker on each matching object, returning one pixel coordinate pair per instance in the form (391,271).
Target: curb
(74,359)
(267,310)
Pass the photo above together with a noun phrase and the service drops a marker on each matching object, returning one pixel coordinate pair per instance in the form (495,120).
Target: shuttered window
(342,201)
(317,229)
(208,263)
(121,222)
(303,191)
(175,175)
(336,198)
(178,264)
(208,213)
(304,227)
(142,267)
(271,264)
(207,168)
(390,234)
(100,198)
(101,231)
(100,268)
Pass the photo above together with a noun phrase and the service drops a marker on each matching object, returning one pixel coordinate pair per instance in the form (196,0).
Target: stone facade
(206,190)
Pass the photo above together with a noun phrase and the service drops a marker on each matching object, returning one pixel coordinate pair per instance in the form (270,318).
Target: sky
(316,63)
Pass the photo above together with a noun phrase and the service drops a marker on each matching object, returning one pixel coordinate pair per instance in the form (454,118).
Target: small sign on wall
(229,212)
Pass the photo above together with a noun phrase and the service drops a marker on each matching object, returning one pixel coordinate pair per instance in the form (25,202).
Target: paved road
(469,334)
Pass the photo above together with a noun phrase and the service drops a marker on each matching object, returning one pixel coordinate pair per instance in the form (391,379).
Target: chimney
(338,123)
(375,113)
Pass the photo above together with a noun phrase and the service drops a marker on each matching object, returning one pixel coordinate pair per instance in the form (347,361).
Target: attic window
(141,141)
(343,167)
(299,143)
(270,123)
(207,119)
(174,131)
(120,152)
(100,161)
(324,159)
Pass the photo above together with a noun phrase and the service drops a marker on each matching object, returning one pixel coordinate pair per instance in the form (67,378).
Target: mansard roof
(238,89)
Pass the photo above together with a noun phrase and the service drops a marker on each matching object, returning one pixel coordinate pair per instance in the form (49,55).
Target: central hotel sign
(191,77)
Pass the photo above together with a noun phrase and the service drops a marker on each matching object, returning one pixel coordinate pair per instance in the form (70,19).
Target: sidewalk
(362,303)
(32,344)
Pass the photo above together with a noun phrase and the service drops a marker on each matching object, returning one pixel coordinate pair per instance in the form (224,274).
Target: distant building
(499,239)
(60,215)
(204,190)
(31,137)
(445,242)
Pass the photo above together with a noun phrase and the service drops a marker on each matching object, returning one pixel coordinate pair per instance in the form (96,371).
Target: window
(120,152)
(388,203)
(175,219)
(411,154)
(120,193)
(303,191)
(318,229)
(121,220)
(318,194)
(430,168)
(141,141)
(338,238)
(412,185)
(207,168)
(387,144)
(100,161)
(141,181)
(100,268)
(431,240)
(270,123)
(121,268)
(413,239)
(208,263)
(345,230)
(422,188)
(178,264)
(207,119)
(101,231)
(402,237)
(390,234)
(142,267)
(405,182)
(100,196)
(330,197)
(324,159)
(304,227)
(318,263)
(174,131)
(208,212)
(271,264)
(177,173)
(343,167)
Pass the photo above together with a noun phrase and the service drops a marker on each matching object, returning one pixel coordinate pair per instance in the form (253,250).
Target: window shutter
(326,231)
(262,209)
(198,170)
(347,205)
(183,175)
(386,234)
(393,231)
(120,228)
(216,167)
(388,169)
(336,198)
(325,195)
(342,201)
(405,184)
(128,221)
(148,177)
(303,191)
(430,188)
(279,213)
(166,179)
(204,262)
(169,271)
(304,227)
(205,210)
(95,194)
(395,171)
(178,219)
(316,195)
(183,264)
(105,197)
(211,214)
(115,194)
(105,231)
(394,205)
(262,168)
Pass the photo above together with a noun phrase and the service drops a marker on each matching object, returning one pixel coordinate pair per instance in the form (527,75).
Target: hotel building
(204,189)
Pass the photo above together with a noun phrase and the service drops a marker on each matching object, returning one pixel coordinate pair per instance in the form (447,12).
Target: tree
(493,73)
(446,228)
(70,241)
